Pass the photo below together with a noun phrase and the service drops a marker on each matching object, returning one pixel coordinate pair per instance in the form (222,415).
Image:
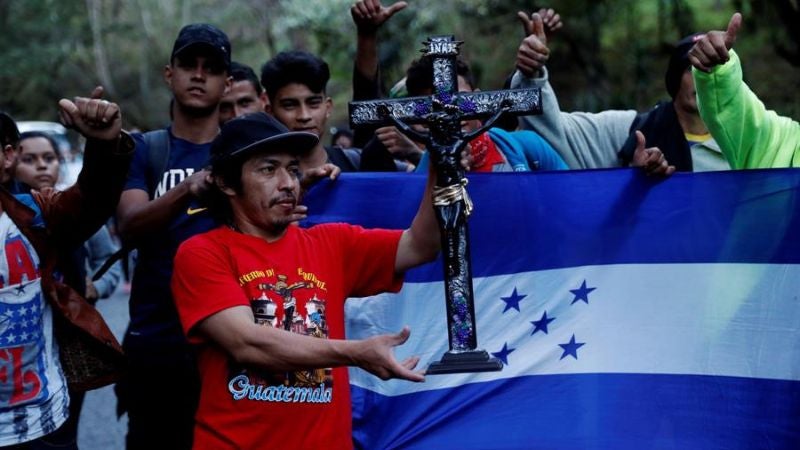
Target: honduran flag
(629,312)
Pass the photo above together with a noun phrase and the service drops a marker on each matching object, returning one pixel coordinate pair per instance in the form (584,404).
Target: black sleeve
(375,157)
(365,89)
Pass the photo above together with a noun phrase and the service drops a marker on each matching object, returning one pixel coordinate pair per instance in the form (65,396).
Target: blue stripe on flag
(585,411)
(607,216)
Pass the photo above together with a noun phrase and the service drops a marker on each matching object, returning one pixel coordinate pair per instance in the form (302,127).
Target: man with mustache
(245,95)
(253,394)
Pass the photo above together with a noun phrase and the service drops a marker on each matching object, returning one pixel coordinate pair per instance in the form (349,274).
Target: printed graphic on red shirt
(295,304)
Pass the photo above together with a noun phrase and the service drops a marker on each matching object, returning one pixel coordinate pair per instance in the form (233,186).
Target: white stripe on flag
(738,320)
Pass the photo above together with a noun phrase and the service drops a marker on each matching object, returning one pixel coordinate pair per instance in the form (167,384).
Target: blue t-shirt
(154,319)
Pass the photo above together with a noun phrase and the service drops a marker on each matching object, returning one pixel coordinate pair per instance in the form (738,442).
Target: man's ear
(9,155)
(222,187)
(228,85)
(168,75)
(265,101)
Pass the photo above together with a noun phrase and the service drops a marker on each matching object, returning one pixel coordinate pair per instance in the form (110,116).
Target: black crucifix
(443,113)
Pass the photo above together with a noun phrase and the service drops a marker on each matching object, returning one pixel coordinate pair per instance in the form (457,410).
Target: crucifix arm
(407,130)
(486,125)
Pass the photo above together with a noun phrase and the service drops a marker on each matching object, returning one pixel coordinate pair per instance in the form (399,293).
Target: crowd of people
(236,336)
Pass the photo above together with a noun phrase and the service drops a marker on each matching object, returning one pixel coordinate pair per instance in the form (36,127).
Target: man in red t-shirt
(263,299)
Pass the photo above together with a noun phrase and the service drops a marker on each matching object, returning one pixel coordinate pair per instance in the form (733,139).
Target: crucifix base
(465,362)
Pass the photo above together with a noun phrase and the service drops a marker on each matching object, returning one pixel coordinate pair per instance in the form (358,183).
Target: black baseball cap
(679,62)
(205,35)
(257,132)
(9,133)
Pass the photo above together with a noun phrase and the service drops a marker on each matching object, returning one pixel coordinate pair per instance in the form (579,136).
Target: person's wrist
(367,32)
(125,144)
(415,157)
(350,351)
(122,144)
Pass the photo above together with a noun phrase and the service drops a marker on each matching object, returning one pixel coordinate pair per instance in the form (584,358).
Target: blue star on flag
(571,348)
(503,354)
(541,324)
(582,293)
(21,288)
(512,301)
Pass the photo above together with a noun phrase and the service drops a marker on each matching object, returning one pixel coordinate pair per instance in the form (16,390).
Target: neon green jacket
(750,136)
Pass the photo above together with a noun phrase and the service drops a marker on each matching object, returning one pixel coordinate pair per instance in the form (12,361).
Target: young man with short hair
(245,95)
(264,298)
(158,210)
(296,83)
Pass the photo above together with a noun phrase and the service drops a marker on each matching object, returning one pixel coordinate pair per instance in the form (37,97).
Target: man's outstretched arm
(276,350)
(213,308)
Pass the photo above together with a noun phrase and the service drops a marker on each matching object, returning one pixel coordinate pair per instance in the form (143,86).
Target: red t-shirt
(297,283)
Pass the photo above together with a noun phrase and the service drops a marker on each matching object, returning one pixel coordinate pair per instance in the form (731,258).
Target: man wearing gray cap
(158,210)
(282,382)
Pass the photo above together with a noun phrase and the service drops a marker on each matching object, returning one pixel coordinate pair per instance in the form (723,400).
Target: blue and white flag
(629,312)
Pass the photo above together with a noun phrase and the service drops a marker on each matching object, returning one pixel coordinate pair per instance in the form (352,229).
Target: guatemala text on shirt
(629,312)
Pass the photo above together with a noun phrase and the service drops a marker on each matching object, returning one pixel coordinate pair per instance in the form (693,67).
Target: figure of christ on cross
(443,113)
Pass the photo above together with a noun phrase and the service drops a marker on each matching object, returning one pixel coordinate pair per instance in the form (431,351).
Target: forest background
(609,54)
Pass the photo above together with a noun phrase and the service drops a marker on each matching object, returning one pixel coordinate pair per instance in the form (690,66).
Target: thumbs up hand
(369,15)
(92,116)
(551,19)
(650,159)
(533,51)
(712,49)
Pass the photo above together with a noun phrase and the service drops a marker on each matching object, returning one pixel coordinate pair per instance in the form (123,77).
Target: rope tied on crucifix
(448,195)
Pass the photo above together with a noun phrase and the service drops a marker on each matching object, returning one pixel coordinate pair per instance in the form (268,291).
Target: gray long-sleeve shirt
(584,140)
(99,248)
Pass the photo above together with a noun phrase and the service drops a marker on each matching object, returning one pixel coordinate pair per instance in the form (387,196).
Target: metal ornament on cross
(443,112)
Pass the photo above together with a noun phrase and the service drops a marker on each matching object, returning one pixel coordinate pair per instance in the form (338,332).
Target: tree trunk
(100,58)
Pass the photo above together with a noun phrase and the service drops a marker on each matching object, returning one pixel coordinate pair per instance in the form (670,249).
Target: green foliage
(610,53)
